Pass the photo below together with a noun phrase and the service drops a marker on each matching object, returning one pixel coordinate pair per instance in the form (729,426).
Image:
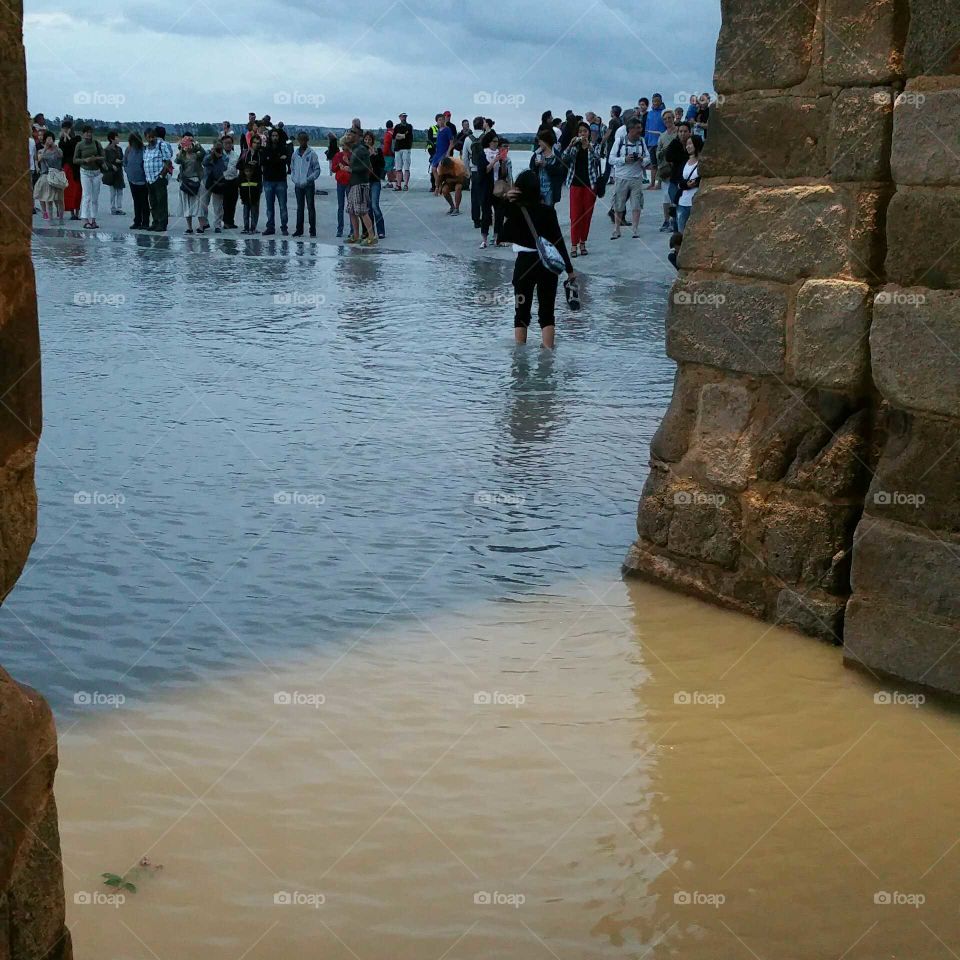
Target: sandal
(574,252)
(583,250)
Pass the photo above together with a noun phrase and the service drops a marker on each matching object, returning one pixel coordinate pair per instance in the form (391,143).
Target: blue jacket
(133,166)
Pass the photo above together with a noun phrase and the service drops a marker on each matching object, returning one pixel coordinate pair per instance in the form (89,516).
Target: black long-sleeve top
(517,230)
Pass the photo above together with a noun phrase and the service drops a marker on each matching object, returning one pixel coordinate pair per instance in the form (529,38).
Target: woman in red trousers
(73,194)
(582,159)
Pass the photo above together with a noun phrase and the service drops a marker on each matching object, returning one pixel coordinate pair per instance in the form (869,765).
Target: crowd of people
(647,148)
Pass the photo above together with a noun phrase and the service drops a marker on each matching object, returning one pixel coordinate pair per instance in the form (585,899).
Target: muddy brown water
(326,598)
(606,771)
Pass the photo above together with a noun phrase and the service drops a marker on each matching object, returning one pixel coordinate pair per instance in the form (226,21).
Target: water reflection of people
(533,416)
(358,274)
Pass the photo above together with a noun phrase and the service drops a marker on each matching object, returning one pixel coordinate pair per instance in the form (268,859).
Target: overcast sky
(304,61)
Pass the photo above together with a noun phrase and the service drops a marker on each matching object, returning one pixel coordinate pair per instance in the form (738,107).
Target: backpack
(664,166)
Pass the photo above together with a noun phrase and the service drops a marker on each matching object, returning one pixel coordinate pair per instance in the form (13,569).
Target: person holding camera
(628,160)
(548,166)
(582,160)
(214,168)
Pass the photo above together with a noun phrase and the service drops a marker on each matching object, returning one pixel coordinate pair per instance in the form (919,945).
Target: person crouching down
(451,177)
(527,218)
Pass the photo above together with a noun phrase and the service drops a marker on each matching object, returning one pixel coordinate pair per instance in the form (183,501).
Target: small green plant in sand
(125,881)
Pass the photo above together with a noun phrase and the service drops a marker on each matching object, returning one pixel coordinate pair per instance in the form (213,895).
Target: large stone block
(786,233)
(863,41)
(903,564)
(764,45)
(860,134)
(718,451)
(923,225)
(689,519)
(836,463)
(801,543)
(933,42)
(27,763)
(814,614)
(925,137)
(723,323)
(830,334)
(918,477)
(18,515)
(792,427)
(779,137)
(19,355)
(35,898)
(915,343)
(891,638)
(672,438)
(16,200)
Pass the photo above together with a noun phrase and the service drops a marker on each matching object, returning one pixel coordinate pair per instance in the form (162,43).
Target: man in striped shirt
(157,165)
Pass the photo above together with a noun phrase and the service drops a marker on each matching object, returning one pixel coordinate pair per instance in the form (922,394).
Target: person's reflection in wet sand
(534,412)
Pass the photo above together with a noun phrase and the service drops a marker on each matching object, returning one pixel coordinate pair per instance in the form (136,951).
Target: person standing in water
(527,218)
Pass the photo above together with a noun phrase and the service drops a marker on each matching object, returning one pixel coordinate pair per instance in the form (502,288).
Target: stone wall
(31,876)
(808,469)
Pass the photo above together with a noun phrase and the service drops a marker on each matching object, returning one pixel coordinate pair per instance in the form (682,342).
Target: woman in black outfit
(489,149)
(529,274)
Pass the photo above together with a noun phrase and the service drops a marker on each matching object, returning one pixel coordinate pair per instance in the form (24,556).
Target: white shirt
(689,171)
(623,148)
(233,158)
(33,154)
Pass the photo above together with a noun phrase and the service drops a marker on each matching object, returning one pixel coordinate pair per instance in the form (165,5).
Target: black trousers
(141,204)
(529,275)
(305,198)
(158,202)
(475,198)
(499,215)
(231,191)
(485,187)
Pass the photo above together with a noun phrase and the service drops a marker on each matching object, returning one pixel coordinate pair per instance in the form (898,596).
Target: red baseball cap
(447,113)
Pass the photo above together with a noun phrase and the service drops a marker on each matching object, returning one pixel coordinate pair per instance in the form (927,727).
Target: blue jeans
(275,189)
(673,194)
(342,192)
(683,215)
(375,187)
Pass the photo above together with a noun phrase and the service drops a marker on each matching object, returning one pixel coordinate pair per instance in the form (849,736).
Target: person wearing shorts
(358,199)
(628,159)
(402,145)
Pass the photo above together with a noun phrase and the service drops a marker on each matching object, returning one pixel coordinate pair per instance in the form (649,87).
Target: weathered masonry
(808,469)
(31,878)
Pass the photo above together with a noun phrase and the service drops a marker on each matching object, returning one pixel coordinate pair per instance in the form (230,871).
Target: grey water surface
(250,449)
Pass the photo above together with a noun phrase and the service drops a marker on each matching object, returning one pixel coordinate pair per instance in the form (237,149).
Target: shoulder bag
(549,255)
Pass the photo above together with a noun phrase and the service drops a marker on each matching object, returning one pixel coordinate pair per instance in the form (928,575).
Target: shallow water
(419,460)
(414,698)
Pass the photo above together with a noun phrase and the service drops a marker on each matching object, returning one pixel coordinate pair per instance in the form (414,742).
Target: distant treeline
(209,131)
